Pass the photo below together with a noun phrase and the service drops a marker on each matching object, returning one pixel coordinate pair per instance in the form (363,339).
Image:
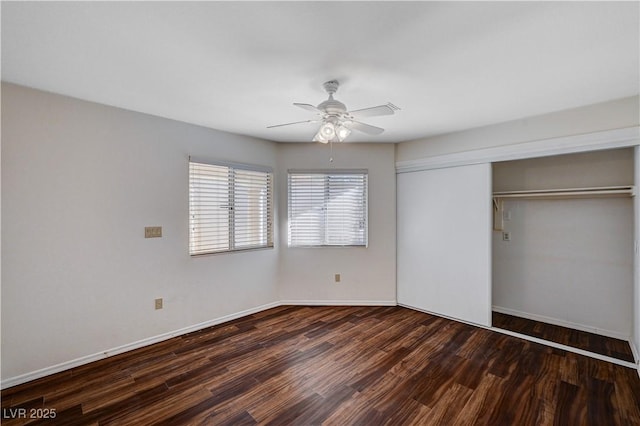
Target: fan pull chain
(331,151)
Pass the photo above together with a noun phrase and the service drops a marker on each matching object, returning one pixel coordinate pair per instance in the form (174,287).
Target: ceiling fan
(337,122)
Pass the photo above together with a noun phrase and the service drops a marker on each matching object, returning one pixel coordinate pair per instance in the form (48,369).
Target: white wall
(80,181)
(569,262)
(613,167)
(367,274)
(615,114)
(444,242)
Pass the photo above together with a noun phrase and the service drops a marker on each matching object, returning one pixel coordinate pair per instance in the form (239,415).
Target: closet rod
(603,191)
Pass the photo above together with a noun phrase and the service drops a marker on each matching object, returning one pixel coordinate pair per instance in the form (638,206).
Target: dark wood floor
(338,366)
(591,342)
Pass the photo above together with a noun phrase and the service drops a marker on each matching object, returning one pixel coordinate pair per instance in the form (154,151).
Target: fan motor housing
(332,107)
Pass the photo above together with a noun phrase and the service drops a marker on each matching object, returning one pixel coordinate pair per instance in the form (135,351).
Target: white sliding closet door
(444,242)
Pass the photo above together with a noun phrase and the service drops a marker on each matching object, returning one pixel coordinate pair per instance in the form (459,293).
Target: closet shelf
(569,193)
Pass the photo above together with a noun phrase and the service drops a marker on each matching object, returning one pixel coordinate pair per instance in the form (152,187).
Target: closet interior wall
(566,261)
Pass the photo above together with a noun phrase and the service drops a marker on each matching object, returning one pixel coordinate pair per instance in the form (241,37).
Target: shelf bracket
(498,214)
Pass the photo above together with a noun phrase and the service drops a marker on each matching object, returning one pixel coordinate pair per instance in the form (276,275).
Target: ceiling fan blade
(387,109)
(373,111)
(308,107)
(365,128)
(295,122)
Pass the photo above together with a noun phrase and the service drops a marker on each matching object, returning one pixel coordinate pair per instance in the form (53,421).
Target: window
(327,208)
(230,207)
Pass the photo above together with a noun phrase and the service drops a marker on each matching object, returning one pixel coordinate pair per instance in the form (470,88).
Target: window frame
(327,174)
(233,243)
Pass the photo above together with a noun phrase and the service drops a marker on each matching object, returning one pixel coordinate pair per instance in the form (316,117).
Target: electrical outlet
(337,278)
(153,231)
(506,236)
(159,303)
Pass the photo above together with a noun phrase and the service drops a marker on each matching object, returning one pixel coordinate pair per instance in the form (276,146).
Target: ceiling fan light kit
(332,131)
(337,121)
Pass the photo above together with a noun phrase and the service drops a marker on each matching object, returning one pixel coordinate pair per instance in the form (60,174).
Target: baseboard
(636,354)
(575,350)
(339,302)
(23,378)
(47,371)
(533,339)
(634,350)
(415,308)
(562,323)
(13,381)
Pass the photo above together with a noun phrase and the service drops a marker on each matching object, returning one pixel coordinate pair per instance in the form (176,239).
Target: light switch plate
(506,236)
(153,231)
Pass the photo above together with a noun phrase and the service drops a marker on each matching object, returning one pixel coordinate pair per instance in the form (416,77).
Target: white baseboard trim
(415,308)
(562,323)
(339,302)
(636,354)
(535,340)
(23,378)
(27,377)
(634,350)
(567,348)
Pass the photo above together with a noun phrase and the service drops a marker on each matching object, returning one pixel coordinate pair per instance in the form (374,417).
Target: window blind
(230,208)
(327,208)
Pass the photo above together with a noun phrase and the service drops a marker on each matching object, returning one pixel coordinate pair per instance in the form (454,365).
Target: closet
(562,248)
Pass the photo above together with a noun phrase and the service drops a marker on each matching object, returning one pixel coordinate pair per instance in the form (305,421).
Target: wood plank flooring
(337,366)
(591,342)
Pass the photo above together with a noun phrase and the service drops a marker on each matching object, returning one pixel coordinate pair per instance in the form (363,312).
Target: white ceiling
(239,66)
